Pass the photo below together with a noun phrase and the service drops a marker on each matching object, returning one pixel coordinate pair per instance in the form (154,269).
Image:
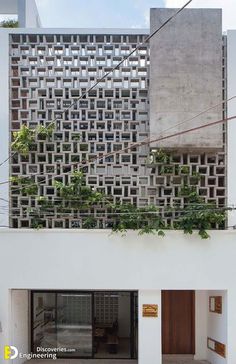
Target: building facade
(118,297)
(48,72)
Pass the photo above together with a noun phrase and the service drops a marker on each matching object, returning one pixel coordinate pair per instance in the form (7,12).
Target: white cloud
(228,7)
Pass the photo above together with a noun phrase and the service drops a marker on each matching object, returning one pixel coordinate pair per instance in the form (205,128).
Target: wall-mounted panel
(217,347)
(215,304)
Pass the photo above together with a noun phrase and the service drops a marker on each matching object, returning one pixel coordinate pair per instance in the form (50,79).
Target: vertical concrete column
(201,316)
(22,13)
(4,122)
(231,80)
(231,325)
(149,335)
(28,14)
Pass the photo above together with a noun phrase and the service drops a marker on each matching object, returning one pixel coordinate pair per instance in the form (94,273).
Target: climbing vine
(24,138)
(78,199)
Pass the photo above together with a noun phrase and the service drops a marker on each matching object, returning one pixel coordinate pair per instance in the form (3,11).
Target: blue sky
(96,13)
(118,13)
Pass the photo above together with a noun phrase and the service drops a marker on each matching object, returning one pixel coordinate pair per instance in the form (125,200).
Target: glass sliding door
(43,321)
(113,320)
(74,324)
(62,321)
(85,324)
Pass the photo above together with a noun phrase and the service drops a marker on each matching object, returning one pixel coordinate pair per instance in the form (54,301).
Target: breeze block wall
(47,73)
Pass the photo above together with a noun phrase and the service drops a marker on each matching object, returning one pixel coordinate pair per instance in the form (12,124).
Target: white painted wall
(149,329)
(231,319)
(209,324)
(28,15)
(20,321)
(217,327)
(201,321)
(71,259)
(53,256)
(231,61)
(5,317)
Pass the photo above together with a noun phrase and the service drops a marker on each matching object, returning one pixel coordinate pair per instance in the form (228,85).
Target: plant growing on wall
(25,138)
(76,197)
(127,216)
(89,223)
(44,132)
(26,184)
(198,215)
(79,195)
(159,157)
(184,170)
(167,169)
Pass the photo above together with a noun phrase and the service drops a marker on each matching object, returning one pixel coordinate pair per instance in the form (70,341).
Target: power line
(201,113)
(78,200)
(160,211)
(151,141)
(5,160)
(170,208)
(183,211)
(147,139)
(3,199)
(107,228)
(114,68)
(132,146)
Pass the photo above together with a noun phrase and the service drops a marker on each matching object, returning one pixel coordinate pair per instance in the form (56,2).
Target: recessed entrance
(85,324)
(178,322)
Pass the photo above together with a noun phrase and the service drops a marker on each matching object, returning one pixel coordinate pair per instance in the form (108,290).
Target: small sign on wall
(150,310)
(216,346)
(215,304)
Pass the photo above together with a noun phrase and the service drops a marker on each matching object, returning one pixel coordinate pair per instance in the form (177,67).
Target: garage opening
(85,324)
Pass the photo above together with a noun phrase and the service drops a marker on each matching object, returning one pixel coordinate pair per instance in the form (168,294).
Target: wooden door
(178,322)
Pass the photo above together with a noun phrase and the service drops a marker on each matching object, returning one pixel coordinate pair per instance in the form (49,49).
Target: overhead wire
(117,66)
(146,139)
(146,40)
(105,214)
(141,143)
(106,199)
